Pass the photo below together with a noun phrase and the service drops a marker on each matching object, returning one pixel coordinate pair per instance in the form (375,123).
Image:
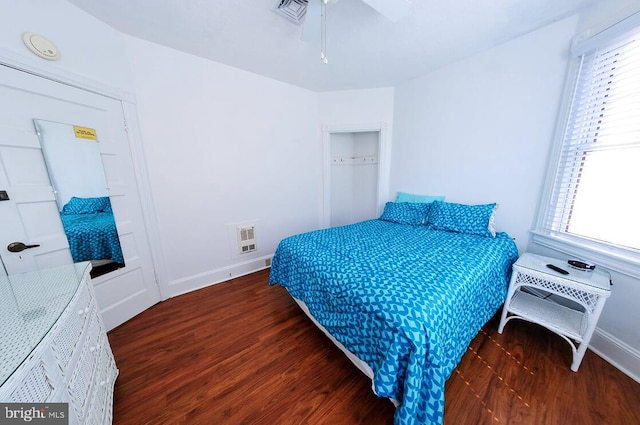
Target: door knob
(19,246)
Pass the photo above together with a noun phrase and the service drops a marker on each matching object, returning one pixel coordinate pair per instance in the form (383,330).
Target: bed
(404,294)
(91,230)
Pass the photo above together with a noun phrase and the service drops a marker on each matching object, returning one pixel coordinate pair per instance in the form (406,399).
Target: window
(594,200)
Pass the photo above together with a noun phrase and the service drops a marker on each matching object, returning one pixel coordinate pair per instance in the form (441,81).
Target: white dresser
(53,346)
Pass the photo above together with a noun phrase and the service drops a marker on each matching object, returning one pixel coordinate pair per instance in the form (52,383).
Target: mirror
(74,164)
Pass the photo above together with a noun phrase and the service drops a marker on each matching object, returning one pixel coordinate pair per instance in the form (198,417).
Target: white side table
(575,323)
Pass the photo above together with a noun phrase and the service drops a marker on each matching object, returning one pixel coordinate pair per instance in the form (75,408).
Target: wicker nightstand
(568,305)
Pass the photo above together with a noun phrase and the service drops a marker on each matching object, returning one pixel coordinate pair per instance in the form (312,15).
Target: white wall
(478,131)
(89,49)
(481,130)
(353,107)
(226,146)
(223,146)
(604,14)
(617,337)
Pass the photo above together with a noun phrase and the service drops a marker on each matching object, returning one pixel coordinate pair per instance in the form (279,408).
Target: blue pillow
(412,213)
(461,218)
(87,205)
(410,197)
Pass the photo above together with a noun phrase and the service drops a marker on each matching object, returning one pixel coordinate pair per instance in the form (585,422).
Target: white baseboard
(212,277)
(616,352)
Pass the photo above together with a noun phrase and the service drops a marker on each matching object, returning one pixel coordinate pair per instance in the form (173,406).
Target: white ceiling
(365,49)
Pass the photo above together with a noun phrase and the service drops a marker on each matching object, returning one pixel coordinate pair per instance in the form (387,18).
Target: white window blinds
(596,192)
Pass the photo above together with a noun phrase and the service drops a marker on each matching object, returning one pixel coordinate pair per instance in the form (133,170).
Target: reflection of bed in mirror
(74,163)
(91,230)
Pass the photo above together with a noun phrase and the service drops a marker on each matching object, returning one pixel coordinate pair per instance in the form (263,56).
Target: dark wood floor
(242,352)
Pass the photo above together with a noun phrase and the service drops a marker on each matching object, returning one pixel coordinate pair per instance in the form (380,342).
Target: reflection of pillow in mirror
(87,205)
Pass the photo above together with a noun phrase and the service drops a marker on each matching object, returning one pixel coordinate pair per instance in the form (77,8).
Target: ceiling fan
(311,14)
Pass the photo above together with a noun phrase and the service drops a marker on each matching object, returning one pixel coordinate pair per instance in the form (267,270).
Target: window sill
(624,261)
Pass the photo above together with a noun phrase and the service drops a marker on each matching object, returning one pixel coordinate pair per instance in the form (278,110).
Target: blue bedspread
(405,299)
(92,236)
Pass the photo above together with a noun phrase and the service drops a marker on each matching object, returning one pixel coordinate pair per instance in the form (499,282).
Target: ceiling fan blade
(390,9)
(311,25)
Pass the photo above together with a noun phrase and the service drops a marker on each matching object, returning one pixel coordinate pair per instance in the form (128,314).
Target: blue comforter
(404,299)
(92,236)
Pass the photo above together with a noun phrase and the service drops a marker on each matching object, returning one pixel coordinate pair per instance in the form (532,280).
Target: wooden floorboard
(242,352)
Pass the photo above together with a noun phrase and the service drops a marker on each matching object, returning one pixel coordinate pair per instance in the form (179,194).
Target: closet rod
(354,160)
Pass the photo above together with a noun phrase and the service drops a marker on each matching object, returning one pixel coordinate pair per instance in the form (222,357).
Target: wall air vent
(246,239)
(293,10)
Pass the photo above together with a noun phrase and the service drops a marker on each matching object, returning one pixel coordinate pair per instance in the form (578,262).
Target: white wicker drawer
(81,384)
(101,410)
(32,387)
(69,335)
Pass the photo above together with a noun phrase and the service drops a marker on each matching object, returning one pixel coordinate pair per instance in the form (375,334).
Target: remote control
(581,265)
(558,269)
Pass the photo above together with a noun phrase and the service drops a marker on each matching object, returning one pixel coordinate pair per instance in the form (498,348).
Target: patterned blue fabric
(472,219)
(92,237)
(411,197)
(407,300)
(87,205)
(405,213)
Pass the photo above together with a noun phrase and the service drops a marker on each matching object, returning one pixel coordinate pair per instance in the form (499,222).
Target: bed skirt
(364,367)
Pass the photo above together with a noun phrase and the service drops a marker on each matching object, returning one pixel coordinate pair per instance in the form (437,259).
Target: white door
(30,215)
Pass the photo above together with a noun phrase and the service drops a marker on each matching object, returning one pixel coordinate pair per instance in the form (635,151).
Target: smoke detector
(40,46)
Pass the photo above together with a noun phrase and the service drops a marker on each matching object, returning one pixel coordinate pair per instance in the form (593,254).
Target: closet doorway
(355,173)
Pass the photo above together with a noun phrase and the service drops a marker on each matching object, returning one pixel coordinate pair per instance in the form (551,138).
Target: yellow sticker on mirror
(85,133)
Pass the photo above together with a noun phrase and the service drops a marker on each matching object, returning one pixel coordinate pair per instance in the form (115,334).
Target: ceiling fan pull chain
(323,32)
